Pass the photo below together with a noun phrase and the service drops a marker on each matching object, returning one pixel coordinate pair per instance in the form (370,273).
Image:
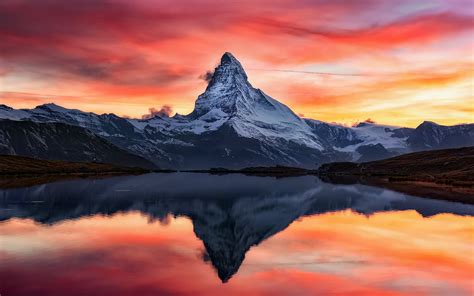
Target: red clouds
(107,52)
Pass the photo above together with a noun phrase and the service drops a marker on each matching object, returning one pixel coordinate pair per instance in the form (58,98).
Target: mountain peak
(228,58)
(3,106)
(52,107)
(229,71)
(427,123)
(229,85)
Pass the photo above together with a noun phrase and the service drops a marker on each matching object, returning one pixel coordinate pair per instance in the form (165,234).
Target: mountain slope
(21,165)
(58,141)
(249,111)
(430,135)
(444,165)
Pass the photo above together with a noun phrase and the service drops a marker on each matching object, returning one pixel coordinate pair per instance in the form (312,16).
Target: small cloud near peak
(165,111)
(207,76)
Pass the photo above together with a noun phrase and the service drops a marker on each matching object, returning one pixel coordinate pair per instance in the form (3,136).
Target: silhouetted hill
(19,165)
(449,165)
(59,141)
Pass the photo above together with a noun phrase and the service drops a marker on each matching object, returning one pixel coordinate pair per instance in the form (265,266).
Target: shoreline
(434,189)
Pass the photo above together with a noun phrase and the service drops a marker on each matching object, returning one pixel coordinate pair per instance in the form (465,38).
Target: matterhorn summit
(227,88)
(229,72)
(249,111)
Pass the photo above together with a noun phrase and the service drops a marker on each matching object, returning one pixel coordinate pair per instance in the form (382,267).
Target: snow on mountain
(371,134)
(430,135)
(230,98)
(251,112)
(58,141)
(12,114)
(210,121)
(234,125)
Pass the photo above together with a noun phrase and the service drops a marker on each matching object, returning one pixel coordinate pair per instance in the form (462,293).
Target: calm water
(197,234)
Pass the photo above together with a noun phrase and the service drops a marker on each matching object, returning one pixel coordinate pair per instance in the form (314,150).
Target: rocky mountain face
(429,135)
(235,125)
(59,141)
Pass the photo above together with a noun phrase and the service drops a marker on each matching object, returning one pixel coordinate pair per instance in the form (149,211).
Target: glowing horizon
(407,61)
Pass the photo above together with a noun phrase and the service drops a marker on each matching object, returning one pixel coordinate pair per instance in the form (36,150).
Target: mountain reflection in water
(229,214)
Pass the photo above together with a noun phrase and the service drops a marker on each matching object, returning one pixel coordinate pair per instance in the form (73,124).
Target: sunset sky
(407,60)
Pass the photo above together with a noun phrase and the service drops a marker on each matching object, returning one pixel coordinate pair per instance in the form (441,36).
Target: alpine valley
(233,125)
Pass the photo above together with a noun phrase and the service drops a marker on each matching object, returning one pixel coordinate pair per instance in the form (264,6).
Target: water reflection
(229,213)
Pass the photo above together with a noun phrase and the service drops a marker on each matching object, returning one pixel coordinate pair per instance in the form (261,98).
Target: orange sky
(411,60)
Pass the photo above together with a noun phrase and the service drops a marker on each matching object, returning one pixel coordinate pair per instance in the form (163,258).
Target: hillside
(449,164)
(20,171)
(59,141)
(19,165)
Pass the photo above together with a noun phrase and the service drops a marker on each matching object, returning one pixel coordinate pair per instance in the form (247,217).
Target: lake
(201,234)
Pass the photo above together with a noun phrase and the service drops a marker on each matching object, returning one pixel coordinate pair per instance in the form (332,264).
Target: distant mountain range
(233,125)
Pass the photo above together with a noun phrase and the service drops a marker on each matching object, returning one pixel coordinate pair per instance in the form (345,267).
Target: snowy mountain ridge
(234,125)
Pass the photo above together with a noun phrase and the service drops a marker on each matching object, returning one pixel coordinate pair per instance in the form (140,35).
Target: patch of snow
(138,124)
(372,134)
(55,108)
(12,114)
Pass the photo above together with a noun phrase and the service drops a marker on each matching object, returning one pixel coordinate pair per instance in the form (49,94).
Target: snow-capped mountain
(230,98)
(236,125)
